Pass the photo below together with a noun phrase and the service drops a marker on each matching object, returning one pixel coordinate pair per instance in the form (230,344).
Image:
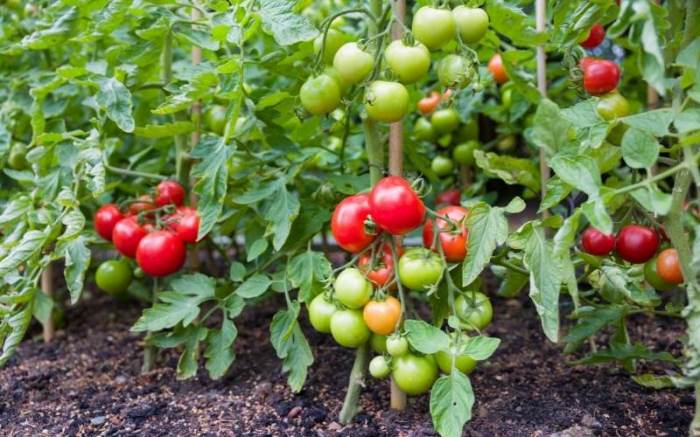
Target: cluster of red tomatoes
(638,244)
(153,230)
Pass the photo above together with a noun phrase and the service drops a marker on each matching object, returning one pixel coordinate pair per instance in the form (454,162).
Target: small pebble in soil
(99,420)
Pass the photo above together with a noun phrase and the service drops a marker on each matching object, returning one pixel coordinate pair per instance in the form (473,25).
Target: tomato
(464,153)
(409,63)
(636,244)
(595,36)
(506,143)
(105,219)
(596,242)
(170,192)
(474,310)
(468,131)
(423,130)
(320,95)
(186,224)
(445,140)
(113,276)
(320,312)
(442,166)
(472,23)
(419,268)
(381,317)
(449,197)
(396,345)
(161,253)
(18,157)
(414,374)
(668,266)
(586,61)
(382,271)
(453,241)
(651,275)
(333,74)
(127,235)
(428,104)
(334,40)
(600,76)
(433,27)
(348,223)
(378,343)
(352,63)
(352,289)
(496,68)
(379,367)
(348,328)
(612,106)
(215,119)
(386,101)
(455,71)
(464,363)
(445,120)
(144,203)
(395,207)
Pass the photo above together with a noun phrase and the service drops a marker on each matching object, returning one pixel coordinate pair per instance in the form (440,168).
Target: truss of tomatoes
(152,230)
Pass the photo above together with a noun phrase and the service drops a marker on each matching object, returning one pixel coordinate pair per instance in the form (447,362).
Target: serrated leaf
(291,346)
(15,208)
(488,228)
(236,272)
(426,338)
(509,169)
(188,362)
(287,27)
(115,99)
(305,269)
(639,149)
(544,281)
(579,171)
(512,22)
(557,190)
(164,130)
(254,286)
(481,347)
(219,352)
(77,257)
(256,249)
(17,323)
(451,402)
(42,306)
(592,320)
(30,243)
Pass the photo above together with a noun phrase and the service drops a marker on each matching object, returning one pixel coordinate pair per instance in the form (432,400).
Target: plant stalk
(541,18)
(149,352)
(47,289)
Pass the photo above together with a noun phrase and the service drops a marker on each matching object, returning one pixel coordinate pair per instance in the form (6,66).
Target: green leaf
(15,209)
(544,281)
(196,37)
(509,169)
(42,306)
(592,319)
(189,359)
(426,338)
(639,148)
(557,190)
(53,36)
(306,269)
(550,129)
(687,121)
(660,382)
(579,171)
(17,323)
(488,227)
(256,249)
(624,352)
(597,215)
(31,242)
(164,130)
(78,258)
(291,346)
(451,402)
(564,240)
(652,199)
(219,352)
(114,98)
(281,211)
(514,23)
(254,286)
(654,122)
(74,222)
(512,284)
(236,272)
(481,347)
(211,187)
(286,27)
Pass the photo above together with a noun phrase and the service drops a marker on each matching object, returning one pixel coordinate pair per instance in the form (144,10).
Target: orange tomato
(381,317)
(495,66)
(668,266)
(426,105)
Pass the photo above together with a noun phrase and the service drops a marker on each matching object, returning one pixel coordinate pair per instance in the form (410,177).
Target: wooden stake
(47,288)
(541,16)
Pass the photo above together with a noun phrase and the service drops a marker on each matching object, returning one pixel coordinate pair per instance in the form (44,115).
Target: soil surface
(87,382)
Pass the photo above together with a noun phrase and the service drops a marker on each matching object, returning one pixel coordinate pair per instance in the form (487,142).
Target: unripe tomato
(442,166)
(143,204)
(215,119)
(445,120)
(423,130)
(474,310)
(386,101)
(334,40)
(113,276)
(333,74)
(433,27)
(127,235)
(348,328)
(414,374)
(453,241)
(185,223)
(409,63)
(472,23)
(170,192)
(381,317)
(378,343)
(612,106)
(445,140)
(395,207)
(455,71)
(595,36)
(668,266)
(105,219)
(636,244)
(348,223)
(320,312)
(463,363)
(420,269)
(428,104)
(352,289)
(379,368)
(468,131)
(449,197)
(396,346)
(506,143)
(161,253)
(651,275)
(597,243)
(18,157)
(464,153)
(600,76)
(320,95)
(497,70)
(352,63)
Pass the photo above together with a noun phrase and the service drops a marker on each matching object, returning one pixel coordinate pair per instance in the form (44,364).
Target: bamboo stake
(541,16)
(47,289)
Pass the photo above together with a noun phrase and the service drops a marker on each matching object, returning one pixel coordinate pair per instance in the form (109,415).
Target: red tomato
(348,223)
(497,70)
(168,192)
(160,253)
(105,218)
(426,105)
(637,244)
(145,203)
(668,266)
(126,236)
(186,224)
(395,206)
(449,197)
(596,242)
(595,37)
(383,267)
(586,61)
(600,76)
(453,241)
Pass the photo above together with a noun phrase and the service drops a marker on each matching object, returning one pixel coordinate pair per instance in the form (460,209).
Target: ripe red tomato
(595,36)
(105,218)
(126,236)
(449,197)
(383,268)
(600,76)
(637,244)
(395,207)
(160,253)
(596,242)
(145,203)
(381,316)
(668,266)
(586,61)
(428,104)
(453,241)
(169,192)
(497,70)
(186,224)
(348,223)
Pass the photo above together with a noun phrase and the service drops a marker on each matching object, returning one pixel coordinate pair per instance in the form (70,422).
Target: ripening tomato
(496,68)
(442,166)
(668,266)
(472,23)
(170,192)
(428,104)
(320,312)
(596,242)
(409,63)
(320,95)
(433,27)
(348,328)
(144,203)
(651,275)
(474,309)
(455,71)
(348,223)
(386,101)
(414,374)
(161,253)
(379,367)
(453,240)
(352,63)
(382,317)
(600,76)
(127,235)
(352,289)
(423,130)
(420,269)
(186,224)
(105,219)
(595,36)
(395,206)
(612,105)
(449,197)
(636,244)
(113,276)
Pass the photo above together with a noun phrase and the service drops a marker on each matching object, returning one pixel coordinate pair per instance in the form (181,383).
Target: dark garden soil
(87,382)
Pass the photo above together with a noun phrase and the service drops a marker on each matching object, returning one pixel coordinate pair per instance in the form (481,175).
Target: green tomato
(332,73)
(433,27)
(215,119)
(352,289)
(409,63)
(348,328)
(468,131)
(420,268)
(113,277)
(616,133)
(423,130)
(464,363)
(320,312)
(334,40)
(445,120)
(18,157)
(651,275)
(397,346)
(445,140)
(474,310)
(472,23)
(611,106)
(320,95)
(507,97)
(506,144)
(464,153)
(379,367)
(386,101)
(455,71)
(414,374)
(442,166)
(352,63)
(378,343)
